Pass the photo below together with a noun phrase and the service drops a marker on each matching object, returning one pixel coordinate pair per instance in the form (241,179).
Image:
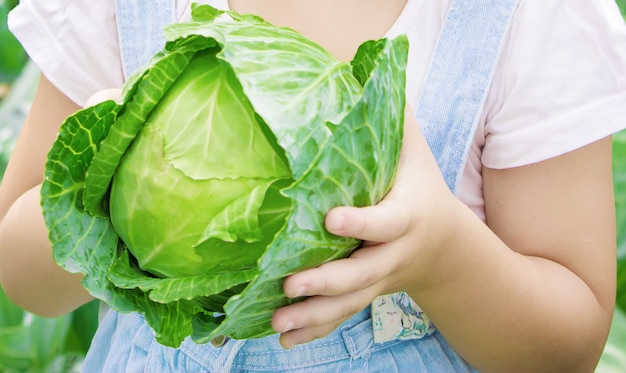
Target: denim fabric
(452,99)
(125,343)
(457,84)
(140,30)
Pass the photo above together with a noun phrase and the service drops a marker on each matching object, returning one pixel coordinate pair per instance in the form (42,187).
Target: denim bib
(448,112)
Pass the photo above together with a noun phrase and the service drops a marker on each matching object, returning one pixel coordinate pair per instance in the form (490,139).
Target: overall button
(219,341)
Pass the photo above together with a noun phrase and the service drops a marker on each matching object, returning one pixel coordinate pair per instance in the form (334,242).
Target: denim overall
(452,99)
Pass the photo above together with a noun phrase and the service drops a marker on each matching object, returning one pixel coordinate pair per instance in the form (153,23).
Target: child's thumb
(103,95)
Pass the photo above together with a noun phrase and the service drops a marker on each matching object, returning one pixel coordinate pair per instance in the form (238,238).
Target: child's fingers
(103,95)
(365,268)
(317,316)
(299,336)
(384,222)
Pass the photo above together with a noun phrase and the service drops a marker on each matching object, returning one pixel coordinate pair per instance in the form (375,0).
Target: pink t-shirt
(560,83)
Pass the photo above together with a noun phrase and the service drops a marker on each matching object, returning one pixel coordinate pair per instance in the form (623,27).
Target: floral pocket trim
(397,316)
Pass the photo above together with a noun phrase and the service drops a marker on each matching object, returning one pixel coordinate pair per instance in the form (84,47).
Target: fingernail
(336,222)
(300,291)
(286,344)
(290,325)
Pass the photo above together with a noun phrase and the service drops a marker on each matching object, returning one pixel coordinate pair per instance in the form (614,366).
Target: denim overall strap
(448,111)
(140,30)
(460,74)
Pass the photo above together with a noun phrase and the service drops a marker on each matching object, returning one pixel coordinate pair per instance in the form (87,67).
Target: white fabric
(560,84)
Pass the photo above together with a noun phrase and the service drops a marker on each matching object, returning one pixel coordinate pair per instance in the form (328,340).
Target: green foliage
(13,110)
(30,343)
(619,175)
(5,144)
(9,4)
(12,56)
(622,6)
(614,356)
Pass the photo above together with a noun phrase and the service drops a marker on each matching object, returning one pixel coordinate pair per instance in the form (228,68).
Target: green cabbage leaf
(191,198)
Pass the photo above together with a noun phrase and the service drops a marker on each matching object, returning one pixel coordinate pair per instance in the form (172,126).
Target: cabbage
(194,196)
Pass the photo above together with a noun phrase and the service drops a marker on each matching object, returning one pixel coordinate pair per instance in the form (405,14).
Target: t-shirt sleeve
(561,82)
(74,43)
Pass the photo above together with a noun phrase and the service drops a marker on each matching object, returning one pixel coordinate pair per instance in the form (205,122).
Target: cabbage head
(191,198)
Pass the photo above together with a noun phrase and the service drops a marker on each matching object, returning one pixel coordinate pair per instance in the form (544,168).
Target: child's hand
(103,95)
(416,211)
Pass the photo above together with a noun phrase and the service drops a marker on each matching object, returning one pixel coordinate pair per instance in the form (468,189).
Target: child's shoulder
(564,62)
(73,42)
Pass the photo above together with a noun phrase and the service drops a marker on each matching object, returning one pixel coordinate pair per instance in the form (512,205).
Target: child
(511,264)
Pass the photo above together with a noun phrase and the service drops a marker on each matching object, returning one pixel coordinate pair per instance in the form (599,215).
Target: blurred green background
(29,343)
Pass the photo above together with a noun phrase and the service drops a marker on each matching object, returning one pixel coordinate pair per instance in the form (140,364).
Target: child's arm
(531,292)
(28,274)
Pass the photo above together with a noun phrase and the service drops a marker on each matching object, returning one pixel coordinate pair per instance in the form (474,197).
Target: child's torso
(339,26)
